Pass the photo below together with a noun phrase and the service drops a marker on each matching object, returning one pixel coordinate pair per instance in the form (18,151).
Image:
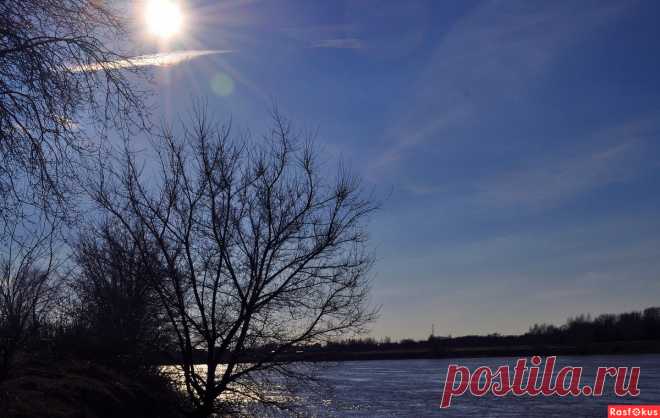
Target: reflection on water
(272,393)
(413,388)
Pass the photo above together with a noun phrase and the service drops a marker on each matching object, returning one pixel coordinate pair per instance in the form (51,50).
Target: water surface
(413,388)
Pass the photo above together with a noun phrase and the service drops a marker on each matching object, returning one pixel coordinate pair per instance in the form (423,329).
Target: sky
(514,144)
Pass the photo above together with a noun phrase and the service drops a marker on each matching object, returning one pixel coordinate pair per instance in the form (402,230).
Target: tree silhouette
(118,319)
(260,248)
(28,287)
(56,82)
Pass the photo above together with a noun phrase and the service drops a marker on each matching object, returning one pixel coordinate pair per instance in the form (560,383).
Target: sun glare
(164,18)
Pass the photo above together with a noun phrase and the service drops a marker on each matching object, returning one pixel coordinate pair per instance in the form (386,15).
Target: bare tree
(260,248)
(27,291)
(57,78)
(121,318)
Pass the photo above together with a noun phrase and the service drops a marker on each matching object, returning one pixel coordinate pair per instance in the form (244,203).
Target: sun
(164,18)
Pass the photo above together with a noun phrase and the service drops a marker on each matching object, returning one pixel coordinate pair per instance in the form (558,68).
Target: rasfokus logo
(633,411)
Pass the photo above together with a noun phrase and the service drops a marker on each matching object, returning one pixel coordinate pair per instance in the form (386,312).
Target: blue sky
(515,144)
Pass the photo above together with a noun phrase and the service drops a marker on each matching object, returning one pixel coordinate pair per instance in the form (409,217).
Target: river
(413,388)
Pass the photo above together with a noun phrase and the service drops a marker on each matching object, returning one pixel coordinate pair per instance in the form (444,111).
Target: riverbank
(74,389)
(439,352)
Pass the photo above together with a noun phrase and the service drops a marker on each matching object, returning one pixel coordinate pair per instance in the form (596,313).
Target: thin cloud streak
(491,53)
(327,36)
(162,59)
(546,184)
(342,43)
(550,184)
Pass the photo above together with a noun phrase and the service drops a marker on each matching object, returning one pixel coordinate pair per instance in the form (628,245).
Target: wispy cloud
(317,32)
(491,55)
(342,36)
(416,136)
(163,59)
(549,182)
(341,43)
(552,182)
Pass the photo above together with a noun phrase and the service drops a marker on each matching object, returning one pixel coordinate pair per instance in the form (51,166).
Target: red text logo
(532,380)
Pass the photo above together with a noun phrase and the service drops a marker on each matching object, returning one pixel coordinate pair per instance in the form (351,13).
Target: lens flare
(222,84)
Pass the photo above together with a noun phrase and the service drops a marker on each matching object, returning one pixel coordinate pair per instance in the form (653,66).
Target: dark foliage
(73,389)
(117,317)
(28,290)
(581,330)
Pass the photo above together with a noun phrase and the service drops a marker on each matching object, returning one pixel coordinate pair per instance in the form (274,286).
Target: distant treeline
(577,331)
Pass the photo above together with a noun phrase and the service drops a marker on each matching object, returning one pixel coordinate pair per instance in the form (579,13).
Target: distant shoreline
(608,348)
